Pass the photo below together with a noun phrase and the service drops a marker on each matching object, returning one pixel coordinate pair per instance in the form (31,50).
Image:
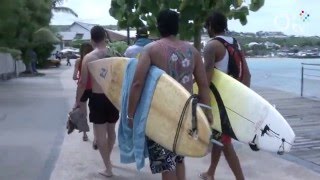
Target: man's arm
(201,80)
(140,75)
(246,74)
(76,69)
(209,55)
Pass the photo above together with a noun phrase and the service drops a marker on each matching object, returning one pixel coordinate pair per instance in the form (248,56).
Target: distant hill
(62,28)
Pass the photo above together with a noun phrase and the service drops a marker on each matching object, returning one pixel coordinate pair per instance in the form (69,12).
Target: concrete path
(34,144)
(32,125)
(77,160)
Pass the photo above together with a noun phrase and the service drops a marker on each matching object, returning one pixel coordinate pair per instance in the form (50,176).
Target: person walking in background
(141,40)
(217,56)
(85,48)
(68,58)
(58,55)
(33,58)
(103,114)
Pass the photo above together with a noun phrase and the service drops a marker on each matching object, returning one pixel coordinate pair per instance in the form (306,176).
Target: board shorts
(225,139)
(102,110)
(161,159)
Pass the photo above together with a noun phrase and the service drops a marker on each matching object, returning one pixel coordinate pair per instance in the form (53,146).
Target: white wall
(9,66)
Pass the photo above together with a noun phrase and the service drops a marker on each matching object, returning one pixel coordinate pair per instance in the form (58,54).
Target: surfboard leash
(194,129)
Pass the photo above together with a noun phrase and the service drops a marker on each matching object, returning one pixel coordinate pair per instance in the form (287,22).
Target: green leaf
(256,5)
(190,11)
(116,13)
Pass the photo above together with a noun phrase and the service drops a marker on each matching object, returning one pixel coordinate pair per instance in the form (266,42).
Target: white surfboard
(167,105)
(247,117)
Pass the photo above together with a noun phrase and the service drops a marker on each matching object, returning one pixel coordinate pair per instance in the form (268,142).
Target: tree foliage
(21,18)
(22,25)
(57,8)
(283,42)
(193,13)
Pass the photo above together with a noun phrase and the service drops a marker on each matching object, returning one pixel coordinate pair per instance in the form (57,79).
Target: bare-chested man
(181,61)
(103,114)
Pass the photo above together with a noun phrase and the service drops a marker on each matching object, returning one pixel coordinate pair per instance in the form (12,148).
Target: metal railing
(305,69)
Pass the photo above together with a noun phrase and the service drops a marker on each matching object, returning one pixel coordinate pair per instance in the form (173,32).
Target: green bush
(43,53)
(118,47)
(77,43)
(15,53)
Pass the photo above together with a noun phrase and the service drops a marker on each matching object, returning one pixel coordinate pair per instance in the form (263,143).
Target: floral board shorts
(161,159)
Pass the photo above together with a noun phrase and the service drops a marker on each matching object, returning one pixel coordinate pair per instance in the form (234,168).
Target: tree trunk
(197,34)
(28,67)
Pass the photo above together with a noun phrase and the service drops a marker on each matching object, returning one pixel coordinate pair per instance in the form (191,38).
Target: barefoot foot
(205,176)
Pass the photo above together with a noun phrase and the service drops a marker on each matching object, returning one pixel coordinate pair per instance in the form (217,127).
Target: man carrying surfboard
(181,61)
(217,55)
(103,114)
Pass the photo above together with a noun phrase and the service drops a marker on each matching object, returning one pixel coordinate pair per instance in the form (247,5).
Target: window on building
(78,36)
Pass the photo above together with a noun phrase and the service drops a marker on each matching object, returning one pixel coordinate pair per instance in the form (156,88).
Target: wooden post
(302,71)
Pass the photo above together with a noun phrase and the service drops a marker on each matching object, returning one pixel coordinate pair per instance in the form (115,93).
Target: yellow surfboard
(167,105)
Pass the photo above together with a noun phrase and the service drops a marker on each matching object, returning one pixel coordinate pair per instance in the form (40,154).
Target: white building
(81,31)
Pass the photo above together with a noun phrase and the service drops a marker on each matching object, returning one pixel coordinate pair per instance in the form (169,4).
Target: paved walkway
(32,125)
(303,116)
(77,160)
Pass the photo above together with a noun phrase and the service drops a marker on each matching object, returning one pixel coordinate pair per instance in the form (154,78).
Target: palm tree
(57,8)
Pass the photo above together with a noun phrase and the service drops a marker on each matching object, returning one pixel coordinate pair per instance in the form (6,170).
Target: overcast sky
(275,15)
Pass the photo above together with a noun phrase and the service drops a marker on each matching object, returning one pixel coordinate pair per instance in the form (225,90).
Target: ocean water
(285,74)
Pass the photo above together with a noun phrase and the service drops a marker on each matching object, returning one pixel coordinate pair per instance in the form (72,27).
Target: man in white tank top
(217,56)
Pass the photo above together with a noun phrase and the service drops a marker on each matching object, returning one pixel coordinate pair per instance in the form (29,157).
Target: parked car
(52,62)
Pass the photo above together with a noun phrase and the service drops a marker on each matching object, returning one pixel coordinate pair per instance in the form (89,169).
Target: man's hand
(76,105)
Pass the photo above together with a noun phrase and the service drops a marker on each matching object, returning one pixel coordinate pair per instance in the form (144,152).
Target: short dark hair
(142,32)
(218,22)
(168,23)
(98,34)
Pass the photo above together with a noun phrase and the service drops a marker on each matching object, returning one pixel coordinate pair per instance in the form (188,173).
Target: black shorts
(86,95)
(102,110)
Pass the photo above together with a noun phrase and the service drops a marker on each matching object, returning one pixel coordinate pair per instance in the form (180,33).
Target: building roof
(115,36)
(69,36)
(112,35)
(86,26)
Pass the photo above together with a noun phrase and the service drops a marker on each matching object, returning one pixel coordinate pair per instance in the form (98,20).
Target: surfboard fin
(253,144)
(281,148)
